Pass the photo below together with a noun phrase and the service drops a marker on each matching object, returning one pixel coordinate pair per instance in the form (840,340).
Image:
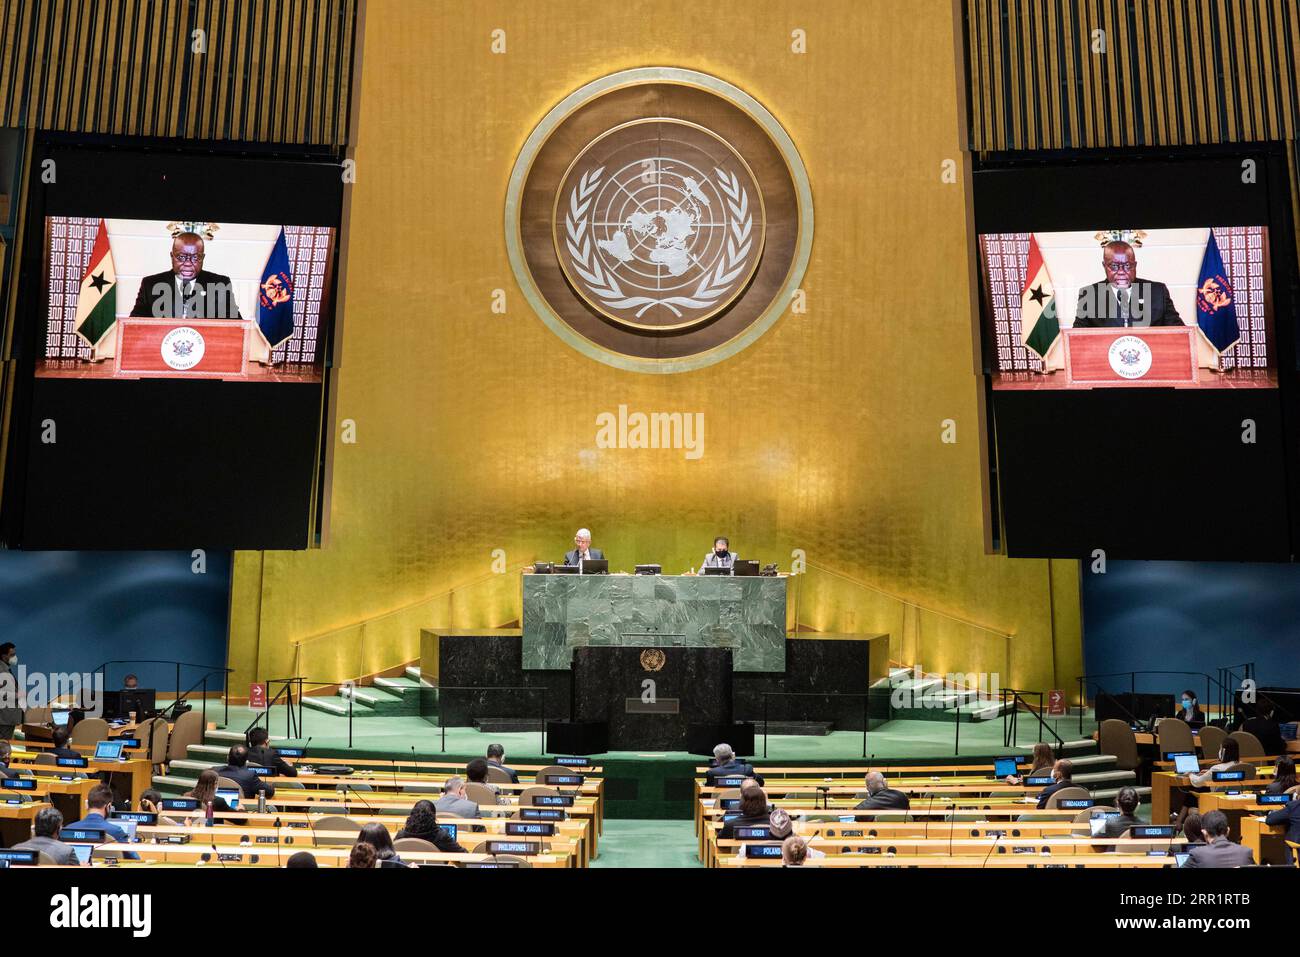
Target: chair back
(45,757)
(480,793)
(38,716)
(1072,793)
(540,777)
(1173,734)
(1248,746)
(414,844)
(44,860)
(335,822)
(1250,769)
(187,730)
(225,784)
(497,776)
(1212,739)
(88,731)
(1117,738)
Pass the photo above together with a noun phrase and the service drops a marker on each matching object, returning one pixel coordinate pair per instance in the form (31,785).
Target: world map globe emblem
(659,224)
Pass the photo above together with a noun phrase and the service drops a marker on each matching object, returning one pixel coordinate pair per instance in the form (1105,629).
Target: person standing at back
(11,714)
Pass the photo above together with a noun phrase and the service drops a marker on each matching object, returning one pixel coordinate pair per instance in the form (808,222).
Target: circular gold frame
(663,75)
(628,323)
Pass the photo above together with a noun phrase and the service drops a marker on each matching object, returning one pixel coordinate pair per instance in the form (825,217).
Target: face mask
(1187,704)
(13,659)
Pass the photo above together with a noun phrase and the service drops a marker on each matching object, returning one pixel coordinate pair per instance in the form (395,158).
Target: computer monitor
(594,566)
(714,570)
(230,796)
(564,569)
(649,569)
(61,718)
(1186,763)
(1004,767)
(108,750)
(542,568)
(743,568)
(451,829)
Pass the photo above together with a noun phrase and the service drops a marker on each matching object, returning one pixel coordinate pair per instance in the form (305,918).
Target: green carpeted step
(406,689)
(381,702)
(336,705)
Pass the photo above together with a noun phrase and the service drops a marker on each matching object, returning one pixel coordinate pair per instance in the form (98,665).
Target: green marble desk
(563,612)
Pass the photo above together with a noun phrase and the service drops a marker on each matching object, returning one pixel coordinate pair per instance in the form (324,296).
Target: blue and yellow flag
(275,296)
(1216,311)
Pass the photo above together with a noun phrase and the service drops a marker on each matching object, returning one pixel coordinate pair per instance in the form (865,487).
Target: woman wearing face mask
(1191,711)
(10,717)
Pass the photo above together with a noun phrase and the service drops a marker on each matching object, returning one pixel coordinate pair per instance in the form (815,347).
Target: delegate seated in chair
(1062,774)
(882,797)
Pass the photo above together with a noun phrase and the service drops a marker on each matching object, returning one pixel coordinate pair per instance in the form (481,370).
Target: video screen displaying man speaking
(1115,308)
(236,301)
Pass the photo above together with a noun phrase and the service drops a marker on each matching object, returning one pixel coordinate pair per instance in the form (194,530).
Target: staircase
(383,698)
(927,699)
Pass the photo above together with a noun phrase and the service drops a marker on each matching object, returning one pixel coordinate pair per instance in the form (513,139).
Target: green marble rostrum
(563,612)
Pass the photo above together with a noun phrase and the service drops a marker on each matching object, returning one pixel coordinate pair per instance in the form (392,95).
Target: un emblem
(659,224)
(652,659)
(659,220)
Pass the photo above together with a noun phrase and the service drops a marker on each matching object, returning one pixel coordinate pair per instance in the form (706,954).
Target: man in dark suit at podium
(1122,299)
(187,290)
(582,550)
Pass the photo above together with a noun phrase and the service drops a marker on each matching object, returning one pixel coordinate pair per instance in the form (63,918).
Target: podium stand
(1135,356)
(187,348)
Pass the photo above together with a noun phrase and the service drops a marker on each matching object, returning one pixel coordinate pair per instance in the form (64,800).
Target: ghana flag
(1039,328)
(97,302)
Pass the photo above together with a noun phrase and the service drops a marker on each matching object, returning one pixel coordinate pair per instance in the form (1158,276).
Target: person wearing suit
(236,769)
(48,823)
(98,803)
(582,549)
(5,753)
(1218,851)
(495,756)
(1122,298)
(754,812)
(10,714)
(727,765)
(722,556)
(187,290)
(60,742)
(453,800)
(1288,814)
(881,797)
(1062,772)
(260,752)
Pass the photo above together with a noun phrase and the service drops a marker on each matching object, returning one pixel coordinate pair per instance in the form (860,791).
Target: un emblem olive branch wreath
(604,284)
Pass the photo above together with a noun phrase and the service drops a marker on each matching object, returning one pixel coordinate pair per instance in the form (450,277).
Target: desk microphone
(929,807)
(989,854)
(348,788)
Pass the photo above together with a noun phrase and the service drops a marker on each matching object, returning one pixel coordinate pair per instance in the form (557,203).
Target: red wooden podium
(1131,356)
(182,348)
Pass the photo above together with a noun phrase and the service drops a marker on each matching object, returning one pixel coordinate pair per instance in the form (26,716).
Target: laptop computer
(1097,823)
(1004,767)
(594,566)
(1186,763)
(1181,858)
(109,750)
(61,718)
(743,568)
(230,796)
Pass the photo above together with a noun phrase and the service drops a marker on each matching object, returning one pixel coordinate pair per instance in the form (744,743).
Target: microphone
(213,845)
(347,788)
(929,807)
(991,850)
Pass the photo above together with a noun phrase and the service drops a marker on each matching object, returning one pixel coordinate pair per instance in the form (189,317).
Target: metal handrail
(211,670)
(1012,740)
(864,695)
(289,716)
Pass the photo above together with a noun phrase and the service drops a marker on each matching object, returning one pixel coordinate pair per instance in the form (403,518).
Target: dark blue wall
(1192,616)
(71,611)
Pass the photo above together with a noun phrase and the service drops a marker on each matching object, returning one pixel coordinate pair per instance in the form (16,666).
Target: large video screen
(175,346)
(1137,343)
(1182,308)
(134,298)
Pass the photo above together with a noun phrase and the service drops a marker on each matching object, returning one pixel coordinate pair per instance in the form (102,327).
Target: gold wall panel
(476,431)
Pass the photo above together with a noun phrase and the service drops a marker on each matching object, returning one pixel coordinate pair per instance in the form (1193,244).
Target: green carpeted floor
(648,844)
(395,736)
